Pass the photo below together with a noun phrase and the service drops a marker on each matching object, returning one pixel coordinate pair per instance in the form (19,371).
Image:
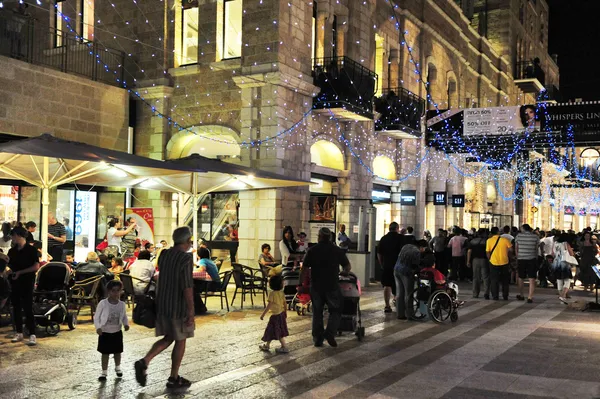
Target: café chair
(221,292)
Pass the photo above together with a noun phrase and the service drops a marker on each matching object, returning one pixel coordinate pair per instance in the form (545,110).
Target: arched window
(384,167)
(325,153)
(588,157)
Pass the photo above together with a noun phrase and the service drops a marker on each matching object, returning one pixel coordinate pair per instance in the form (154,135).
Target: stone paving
(504,349)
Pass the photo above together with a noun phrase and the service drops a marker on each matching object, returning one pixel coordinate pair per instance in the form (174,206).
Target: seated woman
(208,265)
(116,265)
(267,261)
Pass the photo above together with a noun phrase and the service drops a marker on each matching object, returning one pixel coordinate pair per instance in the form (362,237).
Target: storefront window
(110,206)
(232,39)
(225,214)
(9,203)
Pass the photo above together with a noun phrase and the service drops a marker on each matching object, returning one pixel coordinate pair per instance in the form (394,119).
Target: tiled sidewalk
(505,349)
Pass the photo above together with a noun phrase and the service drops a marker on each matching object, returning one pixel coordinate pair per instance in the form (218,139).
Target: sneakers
(178,382)
(32,340)
(119,372)
(140,372)
(17,338)
(387,309)
(563,300)
(283,349)
(102,376)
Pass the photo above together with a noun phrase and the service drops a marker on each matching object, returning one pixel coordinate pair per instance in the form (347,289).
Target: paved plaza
(503,349)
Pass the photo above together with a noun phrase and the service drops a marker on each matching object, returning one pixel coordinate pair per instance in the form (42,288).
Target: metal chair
(222,291)
(85,292)
(247,282)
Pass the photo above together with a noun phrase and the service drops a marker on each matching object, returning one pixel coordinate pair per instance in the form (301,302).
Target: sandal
(140,372)
(178,382)
(264,347)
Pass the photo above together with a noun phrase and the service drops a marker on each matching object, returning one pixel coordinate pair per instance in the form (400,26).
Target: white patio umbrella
(48,162)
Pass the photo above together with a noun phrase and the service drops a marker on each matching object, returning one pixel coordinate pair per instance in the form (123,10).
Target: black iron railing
(399,108)
(530,70)
(550,94)
(20,38)
(345,84)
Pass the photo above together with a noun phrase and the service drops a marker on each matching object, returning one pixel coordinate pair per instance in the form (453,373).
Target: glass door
(111,205)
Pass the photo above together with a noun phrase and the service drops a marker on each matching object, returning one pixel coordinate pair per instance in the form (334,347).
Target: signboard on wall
(440,198)
(408,197)
(458,201)
(322,208)
(500,120)
(144,218)
(316,226)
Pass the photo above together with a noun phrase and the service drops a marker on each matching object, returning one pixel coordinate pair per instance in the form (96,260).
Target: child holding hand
(109,319)
(277,326)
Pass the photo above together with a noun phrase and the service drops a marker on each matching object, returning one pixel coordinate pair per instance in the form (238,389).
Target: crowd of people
(490,259)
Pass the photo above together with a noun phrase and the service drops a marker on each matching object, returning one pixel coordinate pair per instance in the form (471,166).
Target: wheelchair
(440,303)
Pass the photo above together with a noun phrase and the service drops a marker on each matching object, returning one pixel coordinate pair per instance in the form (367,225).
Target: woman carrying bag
(564,260)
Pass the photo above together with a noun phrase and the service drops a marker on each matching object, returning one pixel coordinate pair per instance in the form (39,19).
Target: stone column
(342,28)
(151,136)
(394,68)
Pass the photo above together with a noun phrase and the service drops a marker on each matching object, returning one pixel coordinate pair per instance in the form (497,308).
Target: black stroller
(351,317)
(50,298)
(291,280)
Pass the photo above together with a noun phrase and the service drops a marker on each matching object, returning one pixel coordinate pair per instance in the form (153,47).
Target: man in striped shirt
(174,307)
(57,235)
(526,249)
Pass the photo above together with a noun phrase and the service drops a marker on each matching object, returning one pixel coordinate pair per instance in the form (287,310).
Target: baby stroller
(429,298)
(351,317)
(291,280)
(302,301)
(50,298)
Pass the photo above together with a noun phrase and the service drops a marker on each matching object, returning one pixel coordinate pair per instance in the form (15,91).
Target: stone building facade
(211,76)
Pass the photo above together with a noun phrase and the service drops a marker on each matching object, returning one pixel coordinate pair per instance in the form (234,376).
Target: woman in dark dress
(589,250)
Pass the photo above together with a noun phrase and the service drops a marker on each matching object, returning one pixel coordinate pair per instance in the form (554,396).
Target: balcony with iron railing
(529,76)
(22,39)
(550,94)
(400,112)
(347,88)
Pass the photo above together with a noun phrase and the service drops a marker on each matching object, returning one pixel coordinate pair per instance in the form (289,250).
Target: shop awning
(48,162)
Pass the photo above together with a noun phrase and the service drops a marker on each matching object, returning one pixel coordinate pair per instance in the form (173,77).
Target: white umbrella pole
(195,209)
(45,204)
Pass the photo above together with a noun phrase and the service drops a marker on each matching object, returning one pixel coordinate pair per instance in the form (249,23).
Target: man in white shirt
(142,271)
(507,234)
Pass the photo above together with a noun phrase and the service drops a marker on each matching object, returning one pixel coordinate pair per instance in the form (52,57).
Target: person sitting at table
(265,258)
(209,265)
(142,271)
(92,265)
(116,265)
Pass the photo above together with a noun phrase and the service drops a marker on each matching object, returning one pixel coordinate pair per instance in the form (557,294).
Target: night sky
(575,37)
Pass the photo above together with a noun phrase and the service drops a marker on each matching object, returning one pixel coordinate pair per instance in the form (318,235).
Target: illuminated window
(313,42)
(189,33)
(86,19)
(379,63)
(58,23)
(589,156)
(232,29)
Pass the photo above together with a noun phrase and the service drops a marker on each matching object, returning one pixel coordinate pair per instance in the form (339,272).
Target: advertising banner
(500,120)
(144,218)
(322,208)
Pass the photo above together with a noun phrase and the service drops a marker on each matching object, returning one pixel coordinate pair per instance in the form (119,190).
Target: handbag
(102,246)
(144,312)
